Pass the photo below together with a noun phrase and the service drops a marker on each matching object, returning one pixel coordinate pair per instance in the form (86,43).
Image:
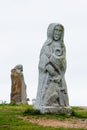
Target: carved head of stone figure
(19,68)
(55,32)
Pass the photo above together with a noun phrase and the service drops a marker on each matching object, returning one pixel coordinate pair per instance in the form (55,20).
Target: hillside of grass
(9,117)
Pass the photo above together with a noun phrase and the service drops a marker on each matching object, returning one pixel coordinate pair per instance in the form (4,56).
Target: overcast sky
(23,31)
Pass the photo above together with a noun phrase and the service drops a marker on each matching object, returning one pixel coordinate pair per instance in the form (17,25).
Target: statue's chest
(55,46)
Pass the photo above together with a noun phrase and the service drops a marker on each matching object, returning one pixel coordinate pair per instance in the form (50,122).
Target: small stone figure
(52,96)
(18,87)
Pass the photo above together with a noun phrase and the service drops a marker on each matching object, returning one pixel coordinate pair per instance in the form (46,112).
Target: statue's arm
(50,69)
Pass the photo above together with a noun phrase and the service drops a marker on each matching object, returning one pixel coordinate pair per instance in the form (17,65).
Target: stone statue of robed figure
(52,96)
(18,86)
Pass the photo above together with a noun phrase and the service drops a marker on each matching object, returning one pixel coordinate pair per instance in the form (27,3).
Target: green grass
(9,118)
(79,112)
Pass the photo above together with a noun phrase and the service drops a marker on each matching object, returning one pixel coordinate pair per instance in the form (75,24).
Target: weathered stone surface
(52,90)
(57,110)
(18,87)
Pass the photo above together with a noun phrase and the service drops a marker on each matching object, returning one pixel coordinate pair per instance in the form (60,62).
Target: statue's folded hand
(50,69)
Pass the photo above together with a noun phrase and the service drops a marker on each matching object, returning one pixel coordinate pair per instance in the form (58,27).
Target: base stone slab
(57,110)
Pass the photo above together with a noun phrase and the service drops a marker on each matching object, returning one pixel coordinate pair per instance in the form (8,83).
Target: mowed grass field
(9,117)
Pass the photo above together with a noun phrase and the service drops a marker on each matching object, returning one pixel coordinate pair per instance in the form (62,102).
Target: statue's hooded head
(19,68)
(50,32)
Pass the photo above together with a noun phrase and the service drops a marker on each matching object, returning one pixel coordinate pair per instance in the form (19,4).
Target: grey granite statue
(52,96)
(18,87)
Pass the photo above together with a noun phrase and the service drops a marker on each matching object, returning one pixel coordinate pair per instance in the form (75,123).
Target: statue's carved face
(57,33)
(19,68)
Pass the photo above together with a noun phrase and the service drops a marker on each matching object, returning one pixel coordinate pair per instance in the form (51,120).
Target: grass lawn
(9,118)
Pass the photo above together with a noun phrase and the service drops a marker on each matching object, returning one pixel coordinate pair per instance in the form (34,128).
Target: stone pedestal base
(56,110)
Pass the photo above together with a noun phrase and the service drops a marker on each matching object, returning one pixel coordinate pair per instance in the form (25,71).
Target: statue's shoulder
(46,46)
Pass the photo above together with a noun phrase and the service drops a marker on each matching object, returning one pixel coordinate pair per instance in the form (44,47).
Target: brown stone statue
(18,86)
